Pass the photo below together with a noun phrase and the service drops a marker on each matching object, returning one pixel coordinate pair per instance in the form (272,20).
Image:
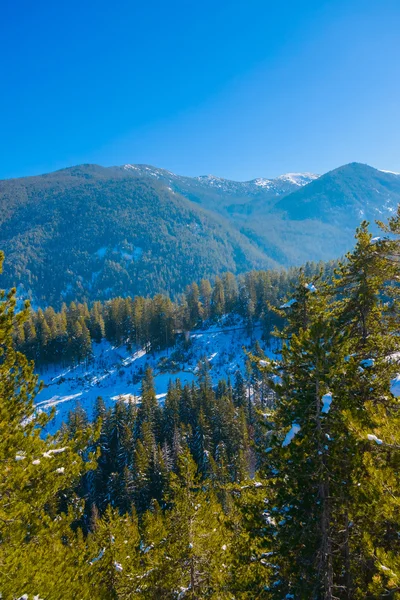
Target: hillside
(317,221)
(91,232)
(344,196)
(115,372)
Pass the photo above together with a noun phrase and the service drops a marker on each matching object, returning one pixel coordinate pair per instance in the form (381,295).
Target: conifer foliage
(333,443)
(283,484)
(36,476)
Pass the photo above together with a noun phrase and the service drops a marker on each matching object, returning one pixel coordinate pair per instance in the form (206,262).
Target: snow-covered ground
(116,373)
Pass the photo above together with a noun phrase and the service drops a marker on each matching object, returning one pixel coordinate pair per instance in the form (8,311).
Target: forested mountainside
(317,221)
(89,233)
(282,483)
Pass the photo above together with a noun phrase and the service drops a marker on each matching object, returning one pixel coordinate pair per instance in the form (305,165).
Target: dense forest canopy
(285,485)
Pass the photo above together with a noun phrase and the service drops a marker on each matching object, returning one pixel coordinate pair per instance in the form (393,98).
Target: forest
(67,336)
(285,486)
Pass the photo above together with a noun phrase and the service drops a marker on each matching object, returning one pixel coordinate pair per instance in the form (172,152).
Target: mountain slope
(344,196)
(91,232)
(115,372)
(317,221)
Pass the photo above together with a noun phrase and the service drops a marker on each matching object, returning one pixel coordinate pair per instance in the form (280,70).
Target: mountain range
(90,232)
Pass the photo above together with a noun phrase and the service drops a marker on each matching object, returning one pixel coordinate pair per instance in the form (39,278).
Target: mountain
(344,196)
(91,232)
(317,221)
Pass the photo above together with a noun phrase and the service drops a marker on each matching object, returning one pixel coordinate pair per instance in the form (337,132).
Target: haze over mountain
(90,232)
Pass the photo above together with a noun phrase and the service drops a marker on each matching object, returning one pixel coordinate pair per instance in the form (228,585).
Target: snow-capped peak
(391,172)
(298,179)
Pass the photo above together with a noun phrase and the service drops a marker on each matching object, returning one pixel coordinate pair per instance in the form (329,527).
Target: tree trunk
(325,558)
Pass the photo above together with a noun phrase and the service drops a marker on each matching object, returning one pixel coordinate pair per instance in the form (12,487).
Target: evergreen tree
(198,541)
(35,477)
(205,297)
(306,439)
(218,299)
(114,565)
(365,309)
(149,410)
(194,305)
(333,514)
(239,390)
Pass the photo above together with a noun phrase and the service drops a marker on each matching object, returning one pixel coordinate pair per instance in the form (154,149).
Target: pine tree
(194,305)
(97,327)
(239,391)
(35,477)
(171,410)
(114,564)
(230,291)
(154,581)
(253,563)
(198,542)
(367,309)
(334,484)
(205,297)
(306,439)
(218,299)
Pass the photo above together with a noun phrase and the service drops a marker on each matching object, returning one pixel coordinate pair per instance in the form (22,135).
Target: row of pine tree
(47,336)
(220,494)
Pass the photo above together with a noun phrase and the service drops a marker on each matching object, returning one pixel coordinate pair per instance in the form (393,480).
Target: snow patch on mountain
(264,183)
(391,172)
(146,170)
(299,179)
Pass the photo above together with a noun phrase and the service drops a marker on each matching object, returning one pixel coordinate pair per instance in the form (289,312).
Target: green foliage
(284,485)
(37,505)
(333,444)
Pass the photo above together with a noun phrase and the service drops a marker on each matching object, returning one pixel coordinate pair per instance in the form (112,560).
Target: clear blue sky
(237,89)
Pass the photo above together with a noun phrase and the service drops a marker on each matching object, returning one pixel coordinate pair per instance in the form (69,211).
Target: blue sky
(237,89)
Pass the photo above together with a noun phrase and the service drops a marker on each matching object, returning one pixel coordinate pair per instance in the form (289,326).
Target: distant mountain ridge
(297,179)
(200,187)
(90,232)
(369,194)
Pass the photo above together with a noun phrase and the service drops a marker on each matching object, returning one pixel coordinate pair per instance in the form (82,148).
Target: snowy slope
(115,372)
